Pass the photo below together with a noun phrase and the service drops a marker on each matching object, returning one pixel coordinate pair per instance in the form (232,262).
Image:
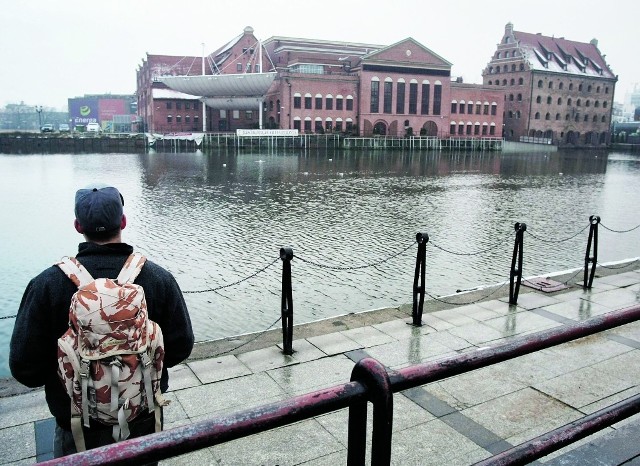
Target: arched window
(461,106)
(375,95)
(549,100)
(318,102)
(518,114)
(596,104)
(437,97)
(595,118)
(510,114)
(587,103)
(513,67)
(589,88)
(580,87)
(550,84)
(297,100)
(604,104)
(604,119)
(308,102)
(507,54)
(504,82)
(561,85)
(510,97)
(547,116)
(578,103)
(570,86)
(349,103)
(521,66)
(519,97)
(498,68)
(512,82)
(490,82)
(339,103)
(540,83)
(520,81)
(557,116)
(537,116)
(454,106)
(494,108)
(569,101)
(538,100)
(559,100)
(328,102)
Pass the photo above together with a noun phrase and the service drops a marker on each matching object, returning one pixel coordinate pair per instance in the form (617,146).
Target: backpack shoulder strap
(131,268)
(76,272)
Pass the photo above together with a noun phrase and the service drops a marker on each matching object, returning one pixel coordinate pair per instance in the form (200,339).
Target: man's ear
(123,222)
(78,227)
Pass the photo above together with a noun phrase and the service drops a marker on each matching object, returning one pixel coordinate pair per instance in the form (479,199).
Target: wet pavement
(456,421)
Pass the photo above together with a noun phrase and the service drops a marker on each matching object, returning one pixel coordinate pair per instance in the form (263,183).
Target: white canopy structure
(225,91)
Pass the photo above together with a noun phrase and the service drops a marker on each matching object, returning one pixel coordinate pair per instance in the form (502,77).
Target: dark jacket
(43,317)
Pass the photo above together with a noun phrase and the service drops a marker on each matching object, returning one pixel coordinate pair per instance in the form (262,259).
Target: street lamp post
(39,111)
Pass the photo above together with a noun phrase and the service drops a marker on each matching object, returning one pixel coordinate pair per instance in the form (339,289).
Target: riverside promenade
(456,421)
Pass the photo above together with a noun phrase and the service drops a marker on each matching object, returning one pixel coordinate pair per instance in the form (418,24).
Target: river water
(215,219)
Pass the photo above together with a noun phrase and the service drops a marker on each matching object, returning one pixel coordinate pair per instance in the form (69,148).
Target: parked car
(63,128)
(93,128)
(48,128)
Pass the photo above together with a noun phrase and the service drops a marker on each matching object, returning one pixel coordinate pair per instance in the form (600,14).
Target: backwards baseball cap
(99,208)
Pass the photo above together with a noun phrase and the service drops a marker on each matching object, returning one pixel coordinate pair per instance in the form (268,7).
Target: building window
(494,108)
(538,100)
(349,126)
(178,118)
(510,97)
(604,119)
(484,129)
(349,102)
(196,119)
(339,103)
(248,115)
(187,105)
(424,102)
(485,108)
(187,118)
(570,86)
(454,107)
(587,103)
(550,84)
(168,105)
(520,81)
(586,118)
(521,69)
(559,100)
(328,126)
(580,87)
(604,104)
(595,119)
(452,128)
(461,106)
(470,108)
(297,101)
(504,82)
(578,103)
(307,126)
(537,117)
(339,125)
(297,125)
(387,96)
(318,126)
(256,68)
(540,83)
(400,97)
(547,116)
(437,98)
(492,130)
(569,101)
(271,105)
(549,100)
(596,104)
(519,97)
(328,102)
(512,82)
(606,90)
(510,114)
(178,105)
(307,101)
(318,102)
(236,114)
(460,129)
(589,88)
(566,117)
(469,129)
(490,82)
(560,85)
(513,67)
(375,96)
(413,98)
(169,118)
(517,114)
(478,108)
(239,67)
(557,116)
(223,114)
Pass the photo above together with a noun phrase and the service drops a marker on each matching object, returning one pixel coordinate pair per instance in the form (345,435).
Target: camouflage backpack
(110,359)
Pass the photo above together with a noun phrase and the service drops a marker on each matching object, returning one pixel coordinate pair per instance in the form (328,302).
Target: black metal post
(516,272)
(594,220)
(286,254)
(39,111)
(418,279)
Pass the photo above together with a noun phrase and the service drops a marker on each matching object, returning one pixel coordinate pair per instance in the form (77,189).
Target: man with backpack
(99,332)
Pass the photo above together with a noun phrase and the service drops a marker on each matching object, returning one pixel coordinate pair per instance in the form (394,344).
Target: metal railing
(370,382)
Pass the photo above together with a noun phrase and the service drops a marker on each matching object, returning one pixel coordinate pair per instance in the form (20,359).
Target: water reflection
(214,219)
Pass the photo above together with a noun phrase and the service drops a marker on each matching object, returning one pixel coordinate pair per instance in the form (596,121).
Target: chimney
(594,42)
(508,29)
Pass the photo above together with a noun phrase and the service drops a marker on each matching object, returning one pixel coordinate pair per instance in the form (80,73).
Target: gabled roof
(561,55)
(413,51)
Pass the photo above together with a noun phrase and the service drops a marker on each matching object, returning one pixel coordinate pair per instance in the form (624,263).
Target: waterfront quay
(458,420)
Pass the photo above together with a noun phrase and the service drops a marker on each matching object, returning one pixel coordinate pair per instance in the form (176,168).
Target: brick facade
(553,88)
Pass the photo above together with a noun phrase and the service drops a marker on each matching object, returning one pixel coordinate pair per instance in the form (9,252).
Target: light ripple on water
(212,225)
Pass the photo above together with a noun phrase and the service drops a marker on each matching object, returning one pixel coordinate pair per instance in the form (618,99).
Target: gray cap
(99,208)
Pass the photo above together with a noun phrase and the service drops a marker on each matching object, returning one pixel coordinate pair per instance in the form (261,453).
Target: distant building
(556,89)
(316,86)
(22,117)
(114,113)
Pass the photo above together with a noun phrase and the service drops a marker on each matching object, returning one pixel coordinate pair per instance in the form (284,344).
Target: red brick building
(556,89)
(318,86)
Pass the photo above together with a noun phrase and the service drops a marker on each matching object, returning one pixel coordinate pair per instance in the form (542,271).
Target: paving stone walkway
(456,421)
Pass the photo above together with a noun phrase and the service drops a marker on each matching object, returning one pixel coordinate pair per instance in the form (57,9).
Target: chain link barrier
(357,267)
(491,248)
(258,335)
(440,300)
(229,285)
(619,231)
(558,240)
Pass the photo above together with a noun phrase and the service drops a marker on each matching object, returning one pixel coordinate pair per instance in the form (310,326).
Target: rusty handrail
(372,387)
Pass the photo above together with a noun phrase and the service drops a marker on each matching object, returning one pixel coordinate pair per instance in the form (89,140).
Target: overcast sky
(53,50)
